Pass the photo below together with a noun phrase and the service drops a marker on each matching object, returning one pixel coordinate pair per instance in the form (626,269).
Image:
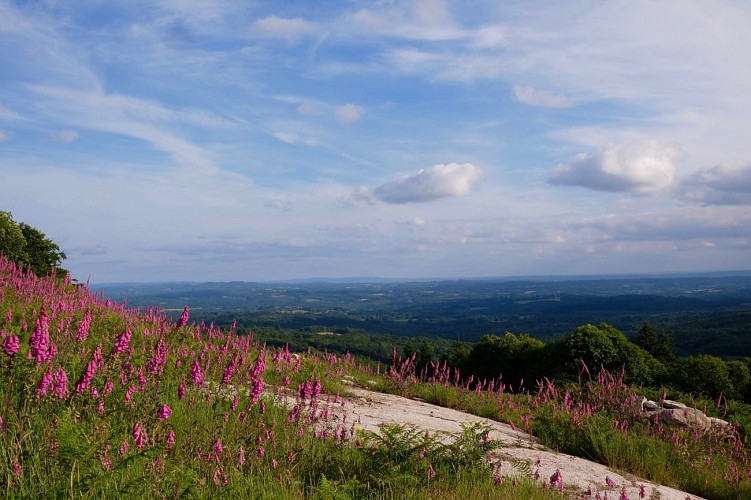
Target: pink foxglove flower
(183,318)
(165,412)
(196,374)
(431,471)
(139,436)
(171,437)
(122,343)
(11,345)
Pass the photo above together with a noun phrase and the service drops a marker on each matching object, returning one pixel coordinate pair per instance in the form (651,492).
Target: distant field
(703,313)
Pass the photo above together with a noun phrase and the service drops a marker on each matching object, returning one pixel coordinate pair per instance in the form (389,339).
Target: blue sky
(223,140)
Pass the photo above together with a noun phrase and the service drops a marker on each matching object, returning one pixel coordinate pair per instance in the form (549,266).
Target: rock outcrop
(675,414)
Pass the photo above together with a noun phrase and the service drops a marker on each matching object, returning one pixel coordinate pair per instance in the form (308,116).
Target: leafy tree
(43,254)
(29,247)
(515,357)
(703,374)
(740,378)
(603,346)
(12,241)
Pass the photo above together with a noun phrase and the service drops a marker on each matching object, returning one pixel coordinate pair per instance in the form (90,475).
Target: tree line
(28,247)
(648,361)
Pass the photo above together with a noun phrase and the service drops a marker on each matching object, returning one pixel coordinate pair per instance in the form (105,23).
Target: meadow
(102,401)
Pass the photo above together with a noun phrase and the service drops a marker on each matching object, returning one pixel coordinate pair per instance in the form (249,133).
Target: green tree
(43,255)
(603,346)
(29,247)
(12,241)
(515,357)
(658,345)
(703,374)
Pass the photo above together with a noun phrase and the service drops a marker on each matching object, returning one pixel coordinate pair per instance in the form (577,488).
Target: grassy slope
(131,405)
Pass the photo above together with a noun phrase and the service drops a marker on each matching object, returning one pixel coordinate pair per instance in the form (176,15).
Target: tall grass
(101,401)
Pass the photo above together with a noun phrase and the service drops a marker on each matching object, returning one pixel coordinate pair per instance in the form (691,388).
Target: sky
(218,140)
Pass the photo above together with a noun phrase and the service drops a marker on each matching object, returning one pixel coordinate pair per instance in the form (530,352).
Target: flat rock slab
(520,451)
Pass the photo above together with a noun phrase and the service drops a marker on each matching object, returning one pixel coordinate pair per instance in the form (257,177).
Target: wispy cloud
(543,98)
(288,29)
(349,113)
(66,136)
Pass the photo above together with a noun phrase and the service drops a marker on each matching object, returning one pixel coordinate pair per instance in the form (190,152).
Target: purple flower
(183,318)
(196,374)
(11,345)
(139,436)
(165,412)
(122,343)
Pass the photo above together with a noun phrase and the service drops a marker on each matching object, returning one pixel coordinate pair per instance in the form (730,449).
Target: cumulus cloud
(439,181)
(726,184)
(542,98)
(66,136)
(289,29)
(644,166)
(349,113)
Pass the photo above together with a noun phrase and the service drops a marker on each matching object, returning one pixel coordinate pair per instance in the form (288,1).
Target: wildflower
(165,412)
(609,482)
(122,342)
(11,345)
(139,436)
(556,480)
(83,327)
(241,456)
(171,437)
(431,471)
(218,447)
(624,495)
(255,394)
(181,391)
(44,384)
(642,491)
(39,341)
(261,451)
(196,374)
(183,318)
(124,448)
(60,383)
(274,463)
(498,481)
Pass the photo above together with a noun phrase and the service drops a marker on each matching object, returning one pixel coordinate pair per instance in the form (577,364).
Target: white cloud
(289,29)
(639,166)
(4,136)
(542,98)
(439,181)
(726,184)
(66,136)
(287,137)
(349,113)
